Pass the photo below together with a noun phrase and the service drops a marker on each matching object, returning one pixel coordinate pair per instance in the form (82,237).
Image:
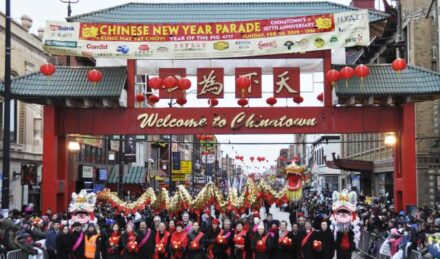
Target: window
(13,116)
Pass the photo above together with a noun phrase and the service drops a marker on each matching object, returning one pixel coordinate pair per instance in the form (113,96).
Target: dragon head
(82,206)
(295,177)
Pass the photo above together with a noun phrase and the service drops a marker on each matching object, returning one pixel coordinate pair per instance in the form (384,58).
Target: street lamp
(69,8)
(390,139)
(73,146)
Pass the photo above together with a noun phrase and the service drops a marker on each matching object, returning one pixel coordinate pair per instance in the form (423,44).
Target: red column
(328,102)
(54,184)
(131,75)
(405,177)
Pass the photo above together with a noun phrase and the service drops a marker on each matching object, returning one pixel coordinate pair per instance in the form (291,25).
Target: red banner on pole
(175,92)
(210,83)
(286,82)
(254,74)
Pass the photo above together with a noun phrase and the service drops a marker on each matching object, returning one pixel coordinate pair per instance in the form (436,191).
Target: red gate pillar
(131,75)
(405,178)
(54,181)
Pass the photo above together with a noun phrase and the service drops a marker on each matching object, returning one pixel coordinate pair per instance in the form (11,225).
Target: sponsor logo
(144,47)
(243,44)
(124,49)
(61,44)
(162,49)
(221,45)
(54,27)
(289,44)
(350,27)
(333,39)
(189,46)
(304,43)
(99,46)
(352,17)
(267,45)
(355,39)
(319,43)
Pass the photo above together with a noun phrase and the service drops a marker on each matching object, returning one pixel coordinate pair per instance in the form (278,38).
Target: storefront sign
(87,171)
(185,167)
(208,40)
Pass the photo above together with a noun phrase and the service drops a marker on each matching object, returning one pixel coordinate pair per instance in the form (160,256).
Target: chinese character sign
(286,82)
(175,92)
(254,74)
(210,83)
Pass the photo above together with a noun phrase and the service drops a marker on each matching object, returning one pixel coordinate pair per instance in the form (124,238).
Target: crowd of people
(307,234)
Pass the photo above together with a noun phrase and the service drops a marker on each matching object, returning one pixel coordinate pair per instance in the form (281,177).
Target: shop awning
(135,175)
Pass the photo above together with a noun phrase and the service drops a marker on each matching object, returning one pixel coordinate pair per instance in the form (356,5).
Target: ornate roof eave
(350,164)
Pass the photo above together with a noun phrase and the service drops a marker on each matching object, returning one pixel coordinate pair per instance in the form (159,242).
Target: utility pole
(121,167)
(7,111)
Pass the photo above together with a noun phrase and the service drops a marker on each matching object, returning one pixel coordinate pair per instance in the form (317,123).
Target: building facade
(26,119)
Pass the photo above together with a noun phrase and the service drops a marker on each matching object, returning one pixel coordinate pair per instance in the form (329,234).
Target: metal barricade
(2,256)
(370,244)
(16,254)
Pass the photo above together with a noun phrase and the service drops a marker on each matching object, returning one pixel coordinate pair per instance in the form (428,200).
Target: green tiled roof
(135,175)
(70,82)
(383,80)
(213,12)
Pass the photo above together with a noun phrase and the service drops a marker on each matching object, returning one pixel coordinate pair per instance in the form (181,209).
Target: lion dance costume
(82,207)
(344,215)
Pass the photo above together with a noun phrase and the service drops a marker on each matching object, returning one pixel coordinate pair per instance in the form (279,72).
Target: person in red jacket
(178,243)
(162,239)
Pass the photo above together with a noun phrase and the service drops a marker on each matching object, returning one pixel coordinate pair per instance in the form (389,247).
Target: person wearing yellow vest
(92,240)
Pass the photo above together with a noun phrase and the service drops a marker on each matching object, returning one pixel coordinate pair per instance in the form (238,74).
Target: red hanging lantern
(298,99)
(155,83)
(361,71)
(237,157)
(181,101)
(213,102)
(202,138)
(184,83)
(243,82)
(140,98)
(170,82)
(320,97)
(398,64)
(153,99)
(252,158)
(47,69)
(94,76)
(333,75)
(271,101)
(242,102)
(347,73)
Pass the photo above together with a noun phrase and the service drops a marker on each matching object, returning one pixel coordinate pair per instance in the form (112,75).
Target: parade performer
(92,242)
(161,241)
(129,242)
(325,235)
(286,244)
(295,178)
(345,222)
(179,241)
(77,241)
(241,242)
(187,224)
(261,244)
(196,243)
(114,246)
(308,247)
(82,206)
(145,240)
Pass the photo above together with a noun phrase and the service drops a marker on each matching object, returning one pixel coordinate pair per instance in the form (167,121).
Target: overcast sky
(44,10)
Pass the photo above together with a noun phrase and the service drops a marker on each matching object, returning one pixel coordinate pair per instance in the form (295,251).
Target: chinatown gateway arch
(292,43)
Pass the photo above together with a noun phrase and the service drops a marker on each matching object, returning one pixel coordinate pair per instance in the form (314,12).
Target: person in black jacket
(262,243)
(63,243)
(76,242)
(146,242)
(286,243)
(196,243)
(345,244)
(306,239)
(325,235)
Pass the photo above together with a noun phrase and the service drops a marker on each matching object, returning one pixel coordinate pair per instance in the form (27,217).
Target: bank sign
(208,40)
